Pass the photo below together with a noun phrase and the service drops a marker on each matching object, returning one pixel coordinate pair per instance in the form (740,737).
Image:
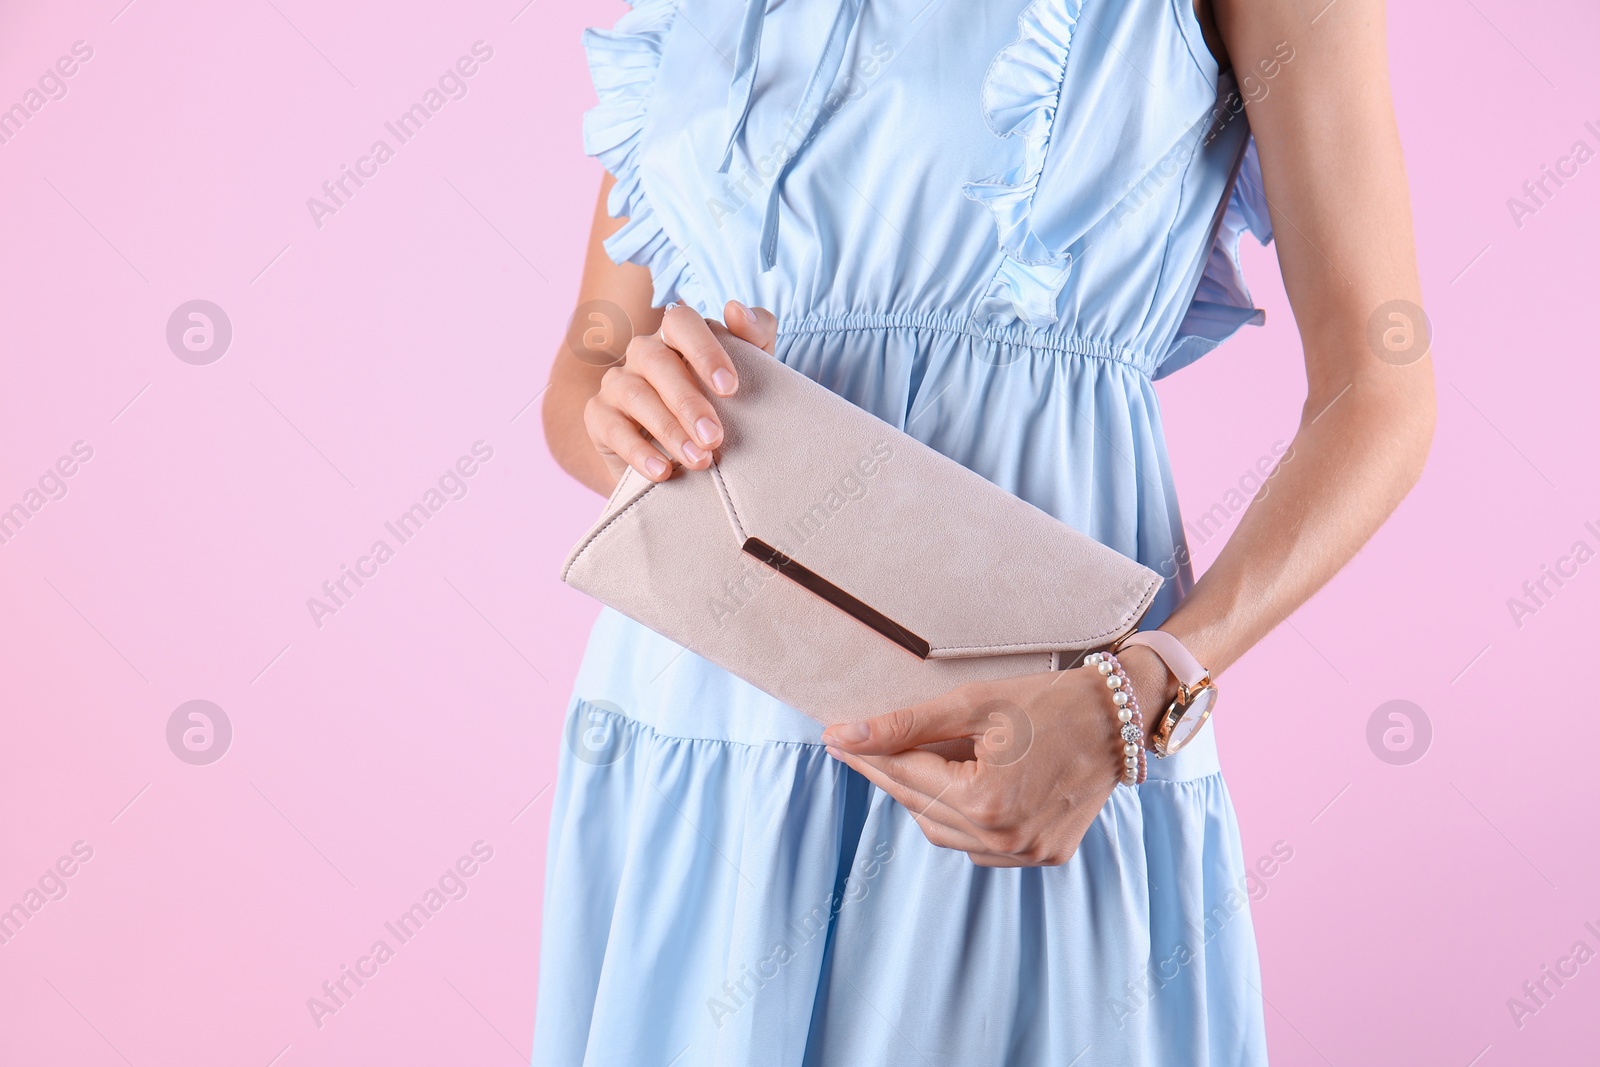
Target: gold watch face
(1191,718)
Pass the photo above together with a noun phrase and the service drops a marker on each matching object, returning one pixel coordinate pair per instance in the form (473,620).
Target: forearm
(1334,177)
(565,434)
(615,299)
(1357,453)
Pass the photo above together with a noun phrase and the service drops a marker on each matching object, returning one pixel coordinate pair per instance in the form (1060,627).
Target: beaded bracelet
(1131,722)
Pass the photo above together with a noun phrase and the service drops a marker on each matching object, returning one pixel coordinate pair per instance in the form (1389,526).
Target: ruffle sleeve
(1222,302)
(623,62)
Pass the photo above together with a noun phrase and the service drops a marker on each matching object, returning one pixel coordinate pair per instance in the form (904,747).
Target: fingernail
(852,733)
(691,453)
(835,753)
(656,466)
(749,316)
(723,381)
(707,430)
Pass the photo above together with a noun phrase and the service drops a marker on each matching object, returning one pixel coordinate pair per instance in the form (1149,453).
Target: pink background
(372,352)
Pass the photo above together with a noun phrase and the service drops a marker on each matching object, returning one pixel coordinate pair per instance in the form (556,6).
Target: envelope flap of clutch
(917,547)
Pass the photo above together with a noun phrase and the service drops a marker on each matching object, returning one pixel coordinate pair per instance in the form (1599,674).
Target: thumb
(756,325)
(948,717)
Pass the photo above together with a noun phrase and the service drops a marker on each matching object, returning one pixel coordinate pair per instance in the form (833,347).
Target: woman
(991,223)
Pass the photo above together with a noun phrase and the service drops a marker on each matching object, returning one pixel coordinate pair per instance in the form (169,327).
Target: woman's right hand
(660,390)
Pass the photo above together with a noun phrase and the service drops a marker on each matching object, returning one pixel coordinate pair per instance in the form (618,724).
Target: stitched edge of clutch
(727,500)
(584,545)
(1129,619)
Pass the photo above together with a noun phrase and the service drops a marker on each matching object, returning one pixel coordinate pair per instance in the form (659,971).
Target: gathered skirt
(720,891)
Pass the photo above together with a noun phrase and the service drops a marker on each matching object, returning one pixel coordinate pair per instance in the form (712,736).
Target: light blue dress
(992,224)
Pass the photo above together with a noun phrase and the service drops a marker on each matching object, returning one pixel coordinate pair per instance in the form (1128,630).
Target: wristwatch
(1197,694)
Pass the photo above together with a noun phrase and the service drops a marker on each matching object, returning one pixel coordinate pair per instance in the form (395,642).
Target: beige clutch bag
(845,568)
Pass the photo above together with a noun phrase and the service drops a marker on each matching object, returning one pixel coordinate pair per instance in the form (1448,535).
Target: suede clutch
(846,568)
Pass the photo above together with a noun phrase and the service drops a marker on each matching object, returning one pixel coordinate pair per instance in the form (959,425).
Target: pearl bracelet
(1131,722)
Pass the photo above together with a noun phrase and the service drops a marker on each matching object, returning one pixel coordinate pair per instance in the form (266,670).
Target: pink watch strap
(1183,666)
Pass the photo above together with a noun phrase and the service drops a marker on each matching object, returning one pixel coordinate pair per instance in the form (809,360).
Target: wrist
(1153,685)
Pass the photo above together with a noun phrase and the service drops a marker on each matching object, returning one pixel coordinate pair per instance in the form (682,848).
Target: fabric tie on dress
(742,89)
(741,92)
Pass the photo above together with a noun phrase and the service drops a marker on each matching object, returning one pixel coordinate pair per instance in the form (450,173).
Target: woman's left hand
(1046,757)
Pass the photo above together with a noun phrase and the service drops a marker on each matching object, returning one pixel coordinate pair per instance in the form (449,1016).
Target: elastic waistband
(1014,335)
